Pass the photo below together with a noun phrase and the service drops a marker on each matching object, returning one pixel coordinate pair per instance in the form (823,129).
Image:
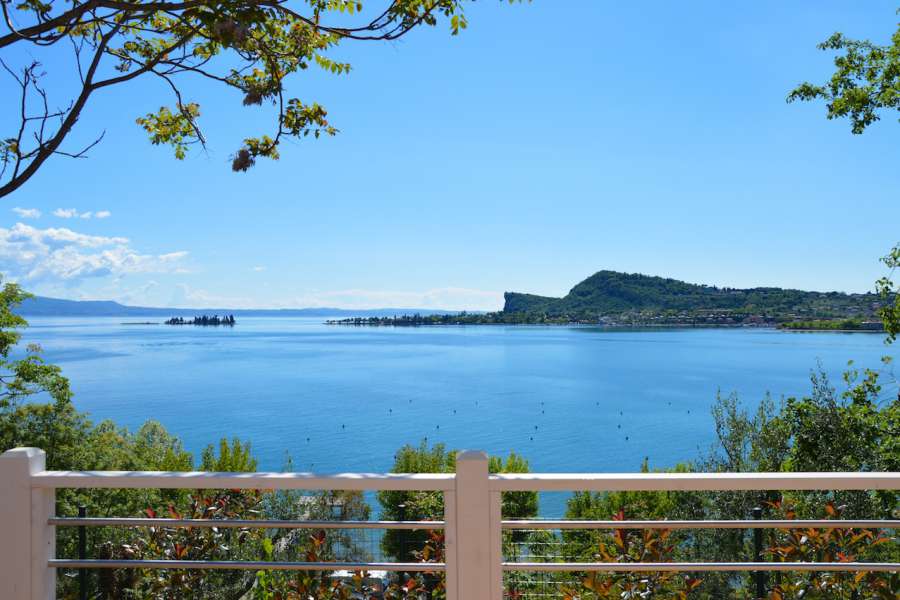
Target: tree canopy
(865,83)
(251,46)
(890,292)
(607,292)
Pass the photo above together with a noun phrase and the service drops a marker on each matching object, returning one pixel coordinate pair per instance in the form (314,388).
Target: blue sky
(547,142)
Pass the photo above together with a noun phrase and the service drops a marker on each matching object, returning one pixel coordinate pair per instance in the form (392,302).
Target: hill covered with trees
(632,299)
(609,294)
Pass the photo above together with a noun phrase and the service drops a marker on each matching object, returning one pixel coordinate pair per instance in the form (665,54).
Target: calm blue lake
(344,399)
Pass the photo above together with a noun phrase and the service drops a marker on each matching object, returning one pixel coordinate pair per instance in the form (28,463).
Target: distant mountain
(56,307)
(611,293)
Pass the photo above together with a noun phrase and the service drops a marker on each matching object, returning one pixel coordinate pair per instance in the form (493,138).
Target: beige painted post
(473,527)
(496,546)
(450,548)
(27,541)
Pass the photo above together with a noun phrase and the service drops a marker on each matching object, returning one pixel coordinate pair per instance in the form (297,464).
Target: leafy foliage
(581,545)
(307,585)
(631,545)
(890,295)
(29,375)
(854,430)
(414,505)
(865,83)
(826,325)
(830,545)
(234,458)
(179,543)
(405,546)
(251,47)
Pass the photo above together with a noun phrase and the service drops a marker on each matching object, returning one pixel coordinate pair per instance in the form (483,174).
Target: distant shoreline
(823,330)
(617,327)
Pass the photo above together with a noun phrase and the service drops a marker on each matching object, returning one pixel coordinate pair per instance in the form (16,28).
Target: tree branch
(47,150)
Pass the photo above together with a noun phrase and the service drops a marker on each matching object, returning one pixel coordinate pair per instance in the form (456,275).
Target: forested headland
(633,300)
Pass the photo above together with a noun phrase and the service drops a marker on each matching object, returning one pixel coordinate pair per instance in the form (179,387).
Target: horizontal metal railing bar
(711,524)
(240,523)
(689,567)
(64,563)
(263,481)
(668,482)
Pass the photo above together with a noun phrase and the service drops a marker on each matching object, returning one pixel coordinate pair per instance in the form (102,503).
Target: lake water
(344,399)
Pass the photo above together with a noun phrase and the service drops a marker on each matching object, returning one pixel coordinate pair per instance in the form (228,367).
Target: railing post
(450,547)
(759,577)
(473,527)
(27,541)
(496,546)
(82,554)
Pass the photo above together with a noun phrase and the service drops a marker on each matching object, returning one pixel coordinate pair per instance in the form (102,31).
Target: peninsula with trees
(618,299)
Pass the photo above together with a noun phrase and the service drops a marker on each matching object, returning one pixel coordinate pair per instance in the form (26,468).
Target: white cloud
(129,295)
(173,256)
(72,213)
(185,296)
(27,213)
(58,236)
(259,269)
(450,298)
(62,255)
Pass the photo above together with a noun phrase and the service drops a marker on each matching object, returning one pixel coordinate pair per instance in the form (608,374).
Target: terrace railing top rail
(689,482)
(506,482)
(264,481)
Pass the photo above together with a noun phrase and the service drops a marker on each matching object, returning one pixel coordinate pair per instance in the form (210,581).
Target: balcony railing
(472,524)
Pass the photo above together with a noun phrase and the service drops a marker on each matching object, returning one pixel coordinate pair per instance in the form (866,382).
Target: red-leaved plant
(838,545)
(631,546)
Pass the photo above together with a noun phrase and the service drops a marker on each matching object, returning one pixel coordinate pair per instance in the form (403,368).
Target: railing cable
(82,555)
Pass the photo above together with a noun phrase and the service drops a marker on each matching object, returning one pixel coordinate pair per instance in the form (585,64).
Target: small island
(203,321)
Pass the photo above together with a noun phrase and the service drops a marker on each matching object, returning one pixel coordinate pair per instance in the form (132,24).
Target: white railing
(472,524)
